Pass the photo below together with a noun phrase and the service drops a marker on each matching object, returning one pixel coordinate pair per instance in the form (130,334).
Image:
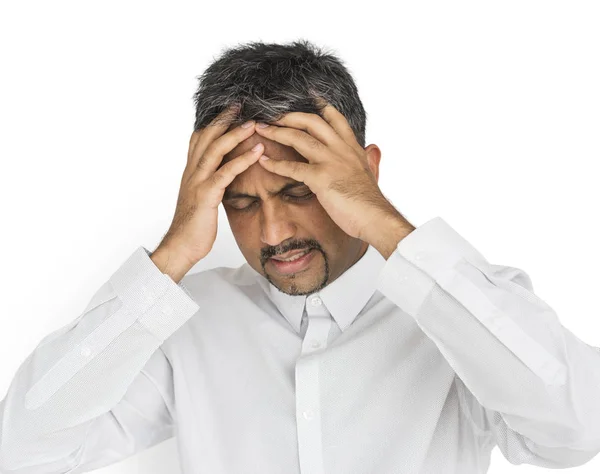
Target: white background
(487,114)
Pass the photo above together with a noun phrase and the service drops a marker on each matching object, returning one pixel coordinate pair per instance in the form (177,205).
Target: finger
(314,125)
(298,170)
(308,146)
(196,134)
(338,122)
(213,156)
(202,137)
(216,127)
(225,175)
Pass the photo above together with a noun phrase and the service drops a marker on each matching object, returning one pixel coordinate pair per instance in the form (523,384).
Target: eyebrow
(229,195)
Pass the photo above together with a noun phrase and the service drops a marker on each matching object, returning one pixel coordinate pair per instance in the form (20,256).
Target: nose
(276,223)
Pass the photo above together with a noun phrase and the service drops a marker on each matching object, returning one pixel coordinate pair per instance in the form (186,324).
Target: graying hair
(268,80)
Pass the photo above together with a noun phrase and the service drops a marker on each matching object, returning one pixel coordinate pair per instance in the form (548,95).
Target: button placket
(308,390)
(317,338)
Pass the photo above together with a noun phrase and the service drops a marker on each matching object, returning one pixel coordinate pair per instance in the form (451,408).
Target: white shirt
(419,364)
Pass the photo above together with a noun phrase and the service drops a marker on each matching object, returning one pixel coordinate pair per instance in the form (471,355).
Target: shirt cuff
(426,254)
(163,305)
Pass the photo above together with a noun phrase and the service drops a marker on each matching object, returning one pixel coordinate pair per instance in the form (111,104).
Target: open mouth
(297,263)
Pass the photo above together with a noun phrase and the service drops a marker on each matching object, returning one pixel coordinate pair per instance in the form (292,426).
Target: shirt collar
(345,297)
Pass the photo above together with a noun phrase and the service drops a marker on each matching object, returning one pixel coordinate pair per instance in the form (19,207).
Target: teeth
(295,257)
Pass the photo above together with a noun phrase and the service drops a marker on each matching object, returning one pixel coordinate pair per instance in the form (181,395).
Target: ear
(373,157)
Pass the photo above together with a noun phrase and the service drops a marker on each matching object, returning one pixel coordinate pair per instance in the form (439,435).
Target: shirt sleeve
(98,389)
(524,379)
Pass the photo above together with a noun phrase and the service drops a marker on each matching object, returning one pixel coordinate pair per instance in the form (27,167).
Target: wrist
(389,233)
(171,263)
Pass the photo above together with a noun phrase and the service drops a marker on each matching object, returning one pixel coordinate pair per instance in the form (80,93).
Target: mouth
(297,263)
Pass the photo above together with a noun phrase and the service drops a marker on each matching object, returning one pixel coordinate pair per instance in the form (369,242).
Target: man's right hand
(194,228)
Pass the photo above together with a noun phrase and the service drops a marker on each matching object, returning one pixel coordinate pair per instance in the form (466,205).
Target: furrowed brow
(230,195)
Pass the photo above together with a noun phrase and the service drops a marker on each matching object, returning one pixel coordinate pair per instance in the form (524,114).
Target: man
(384,349)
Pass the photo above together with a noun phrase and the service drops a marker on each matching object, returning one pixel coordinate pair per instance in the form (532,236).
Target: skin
(278,224)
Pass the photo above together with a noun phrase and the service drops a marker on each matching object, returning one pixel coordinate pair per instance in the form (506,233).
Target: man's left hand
(337,170)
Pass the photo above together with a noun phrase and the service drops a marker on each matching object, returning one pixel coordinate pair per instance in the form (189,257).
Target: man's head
(267,215)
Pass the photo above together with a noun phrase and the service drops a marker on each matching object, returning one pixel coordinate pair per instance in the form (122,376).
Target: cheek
(235,223)
(241,226)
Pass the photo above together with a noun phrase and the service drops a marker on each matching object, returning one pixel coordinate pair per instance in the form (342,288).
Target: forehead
(272,148)
(256,174)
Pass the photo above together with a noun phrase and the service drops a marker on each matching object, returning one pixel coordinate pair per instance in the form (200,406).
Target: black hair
(268,80)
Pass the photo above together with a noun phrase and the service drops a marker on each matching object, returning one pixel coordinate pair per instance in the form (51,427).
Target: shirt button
(315,301)
(418,256)
(86,351)
(167,310)
(404,278)
(315,344)
(308,414)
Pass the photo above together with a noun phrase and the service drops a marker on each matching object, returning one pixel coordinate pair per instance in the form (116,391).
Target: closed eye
(289,196)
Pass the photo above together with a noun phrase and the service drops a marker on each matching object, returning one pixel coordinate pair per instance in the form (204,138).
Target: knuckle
(211,148)
(216,148)
(201,163)
(216,178)
(312,142)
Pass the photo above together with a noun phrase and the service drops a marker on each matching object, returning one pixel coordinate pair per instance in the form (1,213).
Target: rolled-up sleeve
(526,379)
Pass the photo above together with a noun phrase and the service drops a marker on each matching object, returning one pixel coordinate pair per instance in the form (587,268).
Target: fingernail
(264,157)
(256,147)
(248,124)
(262,125)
